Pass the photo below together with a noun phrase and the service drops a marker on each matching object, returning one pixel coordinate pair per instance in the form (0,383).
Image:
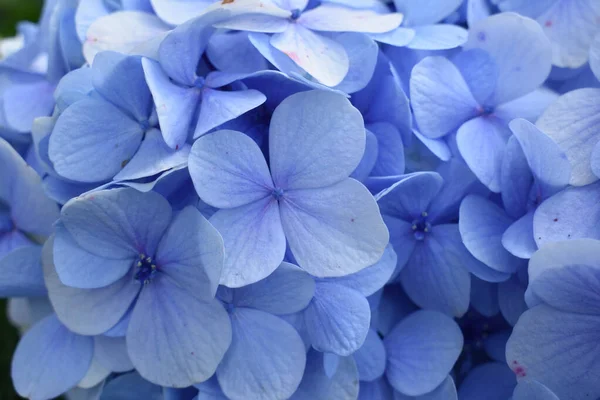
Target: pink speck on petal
(518,370)
(548,24)
(293,56)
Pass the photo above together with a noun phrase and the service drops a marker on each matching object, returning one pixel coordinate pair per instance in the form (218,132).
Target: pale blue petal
(254,241)
(446,391)
(481,142)
(234,52)
(529,106)
(561,218)
(175,105)
(595,56)
(566,275)
(111,352)
(229,170)
(93,140)
(323,58)
(400,36)
(266,358)
(520,49)
(218,107)
(421,351)
(419,12)
(362,52)
(532,390)
(518,237)
(191,253)
(438,37)
(370,357)
(316,385)
(154,157)
(287,290)
(330,17)
(49,360)
(371,279)
(559,350)
(23,102)
(480,72)
(573,122)
(159,341)
(481,224)
(337,319)
(313,132)
(21,273)
(511,300)
(88,311)
(333,231)
(177,12)
(440,97)
(410,198)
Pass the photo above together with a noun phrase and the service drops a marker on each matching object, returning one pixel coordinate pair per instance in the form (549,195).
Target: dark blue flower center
(487,110)
(277,193)
(420,226)
(145,269)
(199,82)
(296,14)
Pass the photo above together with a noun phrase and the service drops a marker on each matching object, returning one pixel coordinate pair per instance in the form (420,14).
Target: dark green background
(11,11)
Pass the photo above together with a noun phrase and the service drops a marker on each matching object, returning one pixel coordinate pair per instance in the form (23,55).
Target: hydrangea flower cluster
(303,199)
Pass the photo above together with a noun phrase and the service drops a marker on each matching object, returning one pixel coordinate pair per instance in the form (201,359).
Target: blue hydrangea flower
(111,133)
(303,197)
(123,264)
(293,28)
(494,81)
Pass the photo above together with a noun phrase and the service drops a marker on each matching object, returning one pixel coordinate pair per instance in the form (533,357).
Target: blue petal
(129,386)
(316,385)
(93,140)
(114,223)
(254,241)
(516,179)
(177,12)
(23,102)
(343,217)
(573,122)
(481,142)
(438,37)
(378,389)
(511,300)
(287,290)
(175,105)
(400,36)
(159,341)
(365,166)
(390,155)
(518,237)
(370,357)
(330,17)
(421,351)
(441,98)
(530,106)
(229,170)
(233,52)
(309,147)
(425,12)
(154,157)
(374,277)
(410,197)
(266,358)
(565,275)
(479,71)
(323,58)
(532,390)
(337,319)
(495,345)
(87,311)
(520,49)
(561,218)
(484,297)
(218,107)
(21,273)
(481,224)
(120,80)
(493,381)
(111,352)
(548,163)
(191,253)
(595,56)
(446,391)
(559,350)
(49,360)
(437,276)
(362,52)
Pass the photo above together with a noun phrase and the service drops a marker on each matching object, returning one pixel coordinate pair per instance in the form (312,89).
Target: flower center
(199,82)
(295,14)
(277,193)
(421,227)
(146,269)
